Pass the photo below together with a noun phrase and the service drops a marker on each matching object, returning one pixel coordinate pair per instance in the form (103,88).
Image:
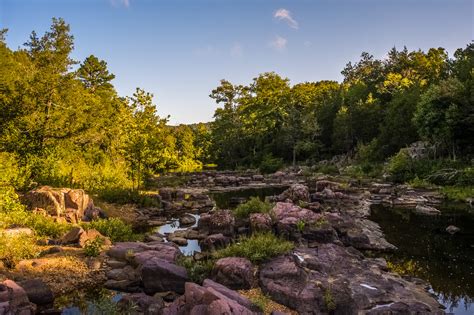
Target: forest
(64,124)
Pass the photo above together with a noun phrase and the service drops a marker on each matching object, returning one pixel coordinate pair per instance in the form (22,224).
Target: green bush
(257,248)
(401,167)
(457,193)
(198,270)
(253,205)
(92,248)
(113,228)
(270,164)
(14,248)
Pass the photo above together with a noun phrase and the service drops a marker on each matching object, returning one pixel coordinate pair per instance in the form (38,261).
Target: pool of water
(427,251)
(226,200)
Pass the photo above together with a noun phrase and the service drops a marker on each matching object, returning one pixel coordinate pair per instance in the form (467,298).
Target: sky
(180,49)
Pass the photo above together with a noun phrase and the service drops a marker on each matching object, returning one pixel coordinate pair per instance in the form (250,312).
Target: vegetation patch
(198,270)
(113,228)
(257,247)
(253,205)
(14,248)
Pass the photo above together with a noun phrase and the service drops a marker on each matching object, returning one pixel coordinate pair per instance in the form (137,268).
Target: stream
(425,249)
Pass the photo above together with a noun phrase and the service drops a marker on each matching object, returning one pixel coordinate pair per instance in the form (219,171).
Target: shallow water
(427,251)
(174,225)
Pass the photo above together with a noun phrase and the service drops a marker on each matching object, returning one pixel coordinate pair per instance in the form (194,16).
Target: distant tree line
(380,107)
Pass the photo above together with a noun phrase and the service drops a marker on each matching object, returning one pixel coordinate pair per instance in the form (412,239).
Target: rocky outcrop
(332,278)
(14,299)
(66,204)
(207,299)
(80,237)
(296,193)
(235,273)
(220,221)
(37,291)
(151,267)
(214,242)
(260,222)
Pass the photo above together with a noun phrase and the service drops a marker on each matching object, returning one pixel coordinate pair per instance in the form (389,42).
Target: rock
(231,294)
(332,278)
(452,229)
(235,273)
(94,213)
(160,275)
(65,203)
(51,250)
(91,235)
(139,252)
(72,237)
(322,184)
(14,300)
(157,237)
(37,291)
(214,242)
(258,178)
(260,222)
(17,231)
(220,221)
(426,210)
(296,192)
(285,210)
(187,220)
(181,241)
(200,300)
(142,303)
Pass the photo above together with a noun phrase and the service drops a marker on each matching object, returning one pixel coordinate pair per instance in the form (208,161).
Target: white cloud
(236,50)
(118,3)
(279,43)
(285,15)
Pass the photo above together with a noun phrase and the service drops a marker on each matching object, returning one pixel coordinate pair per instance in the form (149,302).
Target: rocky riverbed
(336,266)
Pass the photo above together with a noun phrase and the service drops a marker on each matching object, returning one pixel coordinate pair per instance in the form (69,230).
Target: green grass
(198,270)
(257,248)
(254,205)
(457,193)
(113,228)
(14,248)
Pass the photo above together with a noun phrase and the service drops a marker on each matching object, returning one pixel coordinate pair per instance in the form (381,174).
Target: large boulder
(296,192)
(139,252)
(14,299)
(214,242)
(221,221)
(160,276)
(235,273)
(207,300)
(37,291)
(332,278)
(61,203)
(260,222)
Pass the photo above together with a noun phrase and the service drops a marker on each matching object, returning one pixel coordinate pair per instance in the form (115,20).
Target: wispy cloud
(285,15)
(236,50)
(279,43)
(119,3)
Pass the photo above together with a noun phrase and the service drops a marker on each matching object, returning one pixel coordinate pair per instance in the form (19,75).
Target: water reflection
(427,251)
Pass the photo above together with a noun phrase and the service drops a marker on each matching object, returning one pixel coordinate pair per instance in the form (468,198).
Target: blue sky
(180,49)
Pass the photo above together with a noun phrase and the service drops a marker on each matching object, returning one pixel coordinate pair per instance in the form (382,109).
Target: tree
(94,73)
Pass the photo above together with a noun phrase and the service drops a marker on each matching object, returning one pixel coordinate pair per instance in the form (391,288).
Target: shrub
(257,248)
(270,164)
(458,193)
(113,228)
(198,270)
(92,248)
(253,205)
(401,167)
(14,248)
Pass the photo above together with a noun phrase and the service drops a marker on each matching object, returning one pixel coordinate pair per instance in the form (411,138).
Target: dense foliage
(380,107)
(63,123)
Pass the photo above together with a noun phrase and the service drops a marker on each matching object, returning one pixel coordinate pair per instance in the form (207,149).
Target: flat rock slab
(332,278)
